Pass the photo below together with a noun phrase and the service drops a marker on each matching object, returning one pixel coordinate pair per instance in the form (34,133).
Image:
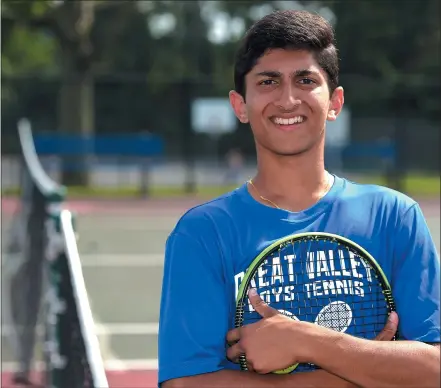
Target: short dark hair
(296,30)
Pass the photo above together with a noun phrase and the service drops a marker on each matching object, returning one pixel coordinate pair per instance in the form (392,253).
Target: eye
(267,82)
(307,81)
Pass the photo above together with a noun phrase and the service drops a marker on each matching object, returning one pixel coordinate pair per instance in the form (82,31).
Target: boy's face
(287,102)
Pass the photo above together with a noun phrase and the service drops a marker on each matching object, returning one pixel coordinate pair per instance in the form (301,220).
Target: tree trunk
(77,116)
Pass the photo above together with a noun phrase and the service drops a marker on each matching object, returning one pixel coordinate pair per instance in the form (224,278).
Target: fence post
(188,137)
(145,177)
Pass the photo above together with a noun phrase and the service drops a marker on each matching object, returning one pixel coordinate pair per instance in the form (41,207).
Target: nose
(287,99)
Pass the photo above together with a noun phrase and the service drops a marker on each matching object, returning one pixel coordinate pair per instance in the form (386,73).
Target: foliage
(147,59)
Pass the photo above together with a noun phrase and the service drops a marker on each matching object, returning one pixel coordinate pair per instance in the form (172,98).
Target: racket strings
(322,282)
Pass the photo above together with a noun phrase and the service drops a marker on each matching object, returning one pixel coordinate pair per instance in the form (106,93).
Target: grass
(155,192)
(414,185)
(133,191)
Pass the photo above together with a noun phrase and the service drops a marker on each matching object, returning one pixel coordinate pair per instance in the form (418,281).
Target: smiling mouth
(288,123)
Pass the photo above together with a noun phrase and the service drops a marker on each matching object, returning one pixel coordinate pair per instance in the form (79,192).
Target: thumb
(389,329)
(259,305)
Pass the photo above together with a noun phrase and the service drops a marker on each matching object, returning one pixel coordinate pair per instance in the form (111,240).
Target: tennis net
(73,354)
(42,268)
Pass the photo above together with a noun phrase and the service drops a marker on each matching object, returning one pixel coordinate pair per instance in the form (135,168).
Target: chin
(287,148)
(290,150)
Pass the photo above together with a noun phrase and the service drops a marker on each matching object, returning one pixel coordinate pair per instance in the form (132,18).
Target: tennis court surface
(121,246)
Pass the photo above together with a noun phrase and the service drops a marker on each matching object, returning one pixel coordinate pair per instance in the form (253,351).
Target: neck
(293,183)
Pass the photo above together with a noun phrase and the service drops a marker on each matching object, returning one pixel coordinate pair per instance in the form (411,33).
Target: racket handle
(243,362)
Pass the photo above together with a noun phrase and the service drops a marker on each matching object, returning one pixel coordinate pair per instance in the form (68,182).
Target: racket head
(333,310)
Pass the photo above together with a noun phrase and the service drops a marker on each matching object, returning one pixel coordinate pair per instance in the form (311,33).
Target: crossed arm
(276,342)
(379,364)
(400,364)
(232,378)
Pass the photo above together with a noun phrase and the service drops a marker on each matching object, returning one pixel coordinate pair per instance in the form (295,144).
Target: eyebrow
(278,74)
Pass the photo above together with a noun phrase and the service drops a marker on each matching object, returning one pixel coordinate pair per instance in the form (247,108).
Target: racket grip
(243,362)
(238,320)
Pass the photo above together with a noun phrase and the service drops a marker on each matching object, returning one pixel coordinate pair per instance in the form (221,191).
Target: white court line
(93,350)
(106,329)
(110,365)
(121,260)
(149,328)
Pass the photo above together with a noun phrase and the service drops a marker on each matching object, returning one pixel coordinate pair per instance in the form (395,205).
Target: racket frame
(279,244)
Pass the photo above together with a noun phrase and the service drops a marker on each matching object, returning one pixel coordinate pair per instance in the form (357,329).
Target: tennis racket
(321,278)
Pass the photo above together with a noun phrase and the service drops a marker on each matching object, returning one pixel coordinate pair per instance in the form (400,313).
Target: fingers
(389,329)
(259,305)
(233,353)
(233,336)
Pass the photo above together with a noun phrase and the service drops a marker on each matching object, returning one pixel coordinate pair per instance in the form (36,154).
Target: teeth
(290,121)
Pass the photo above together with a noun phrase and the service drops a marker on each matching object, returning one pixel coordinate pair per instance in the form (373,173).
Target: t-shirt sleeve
(416,279)
(194,309)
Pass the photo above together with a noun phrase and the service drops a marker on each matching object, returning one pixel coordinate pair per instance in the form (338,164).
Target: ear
(336,104)
(238,104)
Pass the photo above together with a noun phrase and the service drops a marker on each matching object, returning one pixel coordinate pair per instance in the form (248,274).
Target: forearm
(375,363)
(231,378)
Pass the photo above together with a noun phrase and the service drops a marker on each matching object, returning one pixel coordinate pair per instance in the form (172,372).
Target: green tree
(390,56)
(71,23)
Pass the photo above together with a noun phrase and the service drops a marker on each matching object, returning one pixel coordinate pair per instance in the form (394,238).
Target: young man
(286,88)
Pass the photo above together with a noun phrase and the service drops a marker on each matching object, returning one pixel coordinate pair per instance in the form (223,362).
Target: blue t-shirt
(212,245)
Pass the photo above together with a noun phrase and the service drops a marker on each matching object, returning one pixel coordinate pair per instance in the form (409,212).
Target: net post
(72,347)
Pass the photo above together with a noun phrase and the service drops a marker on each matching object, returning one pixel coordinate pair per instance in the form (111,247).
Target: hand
(268,343)
(277,341)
